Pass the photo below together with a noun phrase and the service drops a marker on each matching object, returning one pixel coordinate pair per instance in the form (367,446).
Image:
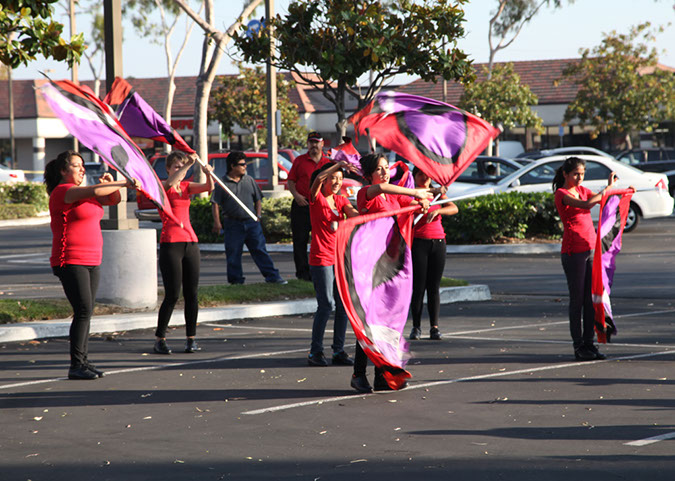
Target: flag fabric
(95,125)
(613,213)
(347,152)
(440,139)
(374,278)
(139,119)
(400,174)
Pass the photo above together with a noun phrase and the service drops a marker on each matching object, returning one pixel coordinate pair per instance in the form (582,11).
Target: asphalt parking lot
(500,397)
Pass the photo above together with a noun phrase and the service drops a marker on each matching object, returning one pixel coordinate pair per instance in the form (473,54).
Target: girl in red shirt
(378,197)
(428,260)
(179,251)
(574,202)
(76,213)
(326,208)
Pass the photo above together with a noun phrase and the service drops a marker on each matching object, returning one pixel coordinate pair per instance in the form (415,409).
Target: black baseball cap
(316,136)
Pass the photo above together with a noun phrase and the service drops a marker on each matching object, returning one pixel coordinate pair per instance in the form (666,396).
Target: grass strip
(25,310)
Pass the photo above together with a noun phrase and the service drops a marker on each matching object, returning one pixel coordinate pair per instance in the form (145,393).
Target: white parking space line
(162,366)
(549,341)
(652,440)
(253,328)
(285,407)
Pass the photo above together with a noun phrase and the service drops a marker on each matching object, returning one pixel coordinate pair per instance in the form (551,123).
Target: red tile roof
(539,75)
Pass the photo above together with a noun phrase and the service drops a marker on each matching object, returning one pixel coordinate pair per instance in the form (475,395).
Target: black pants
(578,270)
(428,260)
(301,226)
(80,284)
(179,264)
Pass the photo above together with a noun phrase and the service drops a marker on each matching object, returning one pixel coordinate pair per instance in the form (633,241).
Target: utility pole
(73,70)
(12,139)
(272,149)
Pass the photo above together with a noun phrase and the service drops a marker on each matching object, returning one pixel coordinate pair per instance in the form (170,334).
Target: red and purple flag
(613,213)
(139,119)
(374,278)
(440,139)
(347,152)
(94,124)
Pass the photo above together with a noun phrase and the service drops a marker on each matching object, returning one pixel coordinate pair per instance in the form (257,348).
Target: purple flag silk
(384,286)
(614,210)
(440,139)
(99,130)
(139,119)
(373,272)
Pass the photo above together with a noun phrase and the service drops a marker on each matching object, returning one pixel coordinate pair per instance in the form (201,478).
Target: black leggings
(80,284)
(578,270)
(428,260)
(179,264)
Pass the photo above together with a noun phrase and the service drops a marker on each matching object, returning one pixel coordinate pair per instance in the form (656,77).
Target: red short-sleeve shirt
(180,205)
(76,230)
(379,203)
(301,172)
(426,230)
(324,225)
(579,233)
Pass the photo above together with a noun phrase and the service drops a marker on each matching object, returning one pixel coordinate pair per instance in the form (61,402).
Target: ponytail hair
(54,168)
(568,166)
(175,156)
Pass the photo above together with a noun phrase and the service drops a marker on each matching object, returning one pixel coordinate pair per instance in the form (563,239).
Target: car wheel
(633,218)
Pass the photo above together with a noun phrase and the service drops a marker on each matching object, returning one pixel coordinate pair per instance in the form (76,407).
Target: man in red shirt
(298,184)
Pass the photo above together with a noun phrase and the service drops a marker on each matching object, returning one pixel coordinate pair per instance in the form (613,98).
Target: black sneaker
(342,359)
(594,349)
(582,353)
(94,369)
(361,384)
(435,334)
(191,345)
(81,372)
(161,347)
(415,334)
(317,359)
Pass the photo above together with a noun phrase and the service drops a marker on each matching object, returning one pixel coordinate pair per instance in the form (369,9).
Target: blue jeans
(249,232)
(323,278)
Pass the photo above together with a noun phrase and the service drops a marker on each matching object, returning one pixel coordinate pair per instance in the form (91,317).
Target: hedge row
(276,220)
(22,199)
(482,220)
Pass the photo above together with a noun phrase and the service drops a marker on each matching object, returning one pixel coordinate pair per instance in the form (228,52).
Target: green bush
(24,193)
(17,211)
(276,220)
(487,219)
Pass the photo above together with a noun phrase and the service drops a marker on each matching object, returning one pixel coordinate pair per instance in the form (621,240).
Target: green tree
(620,85)
(160,33)
(212,51)
(338,41)
(502,99)
(27,29)
(241,100)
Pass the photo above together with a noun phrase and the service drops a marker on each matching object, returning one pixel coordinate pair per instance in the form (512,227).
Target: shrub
(489,218)
(24,193)
(276,220)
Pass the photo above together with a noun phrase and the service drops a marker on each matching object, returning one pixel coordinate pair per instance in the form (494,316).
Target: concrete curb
(28,331)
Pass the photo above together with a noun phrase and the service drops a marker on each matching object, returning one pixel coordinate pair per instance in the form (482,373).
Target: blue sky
(552,34)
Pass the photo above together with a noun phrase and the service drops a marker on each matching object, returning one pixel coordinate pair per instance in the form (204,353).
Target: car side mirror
(515,183)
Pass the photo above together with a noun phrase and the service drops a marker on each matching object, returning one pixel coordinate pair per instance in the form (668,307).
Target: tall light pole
(73,70)
(271,98)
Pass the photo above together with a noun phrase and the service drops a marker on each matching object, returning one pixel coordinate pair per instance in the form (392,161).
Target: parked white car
(11,175)
(650,200)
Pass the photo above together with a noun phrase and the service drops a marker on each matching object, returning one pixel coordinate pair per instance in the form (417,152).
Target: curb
(28,331)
